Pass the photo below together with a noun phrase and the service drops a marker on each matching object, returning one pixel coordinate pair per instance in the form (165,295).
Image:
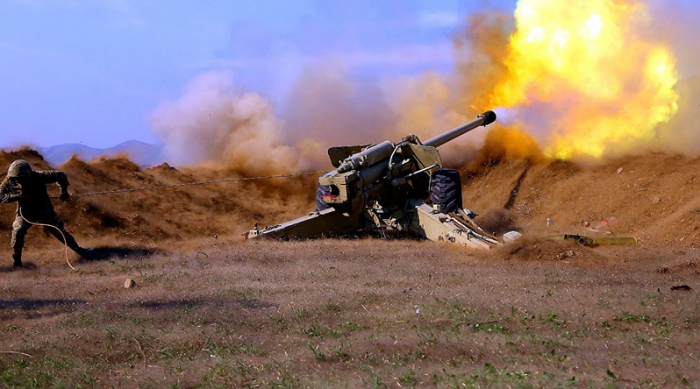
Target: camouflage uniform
(34,205)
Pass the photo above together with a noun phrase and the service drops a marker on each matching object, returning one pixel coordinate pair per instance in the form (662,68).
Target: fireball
(598,85)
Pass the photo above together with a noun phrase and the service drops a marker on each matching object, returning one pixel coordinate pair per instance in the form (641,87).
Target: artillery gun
(390,188)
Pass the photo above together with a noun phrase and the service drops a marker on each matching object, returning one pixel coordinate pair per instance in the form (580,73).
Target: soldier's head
(19,170)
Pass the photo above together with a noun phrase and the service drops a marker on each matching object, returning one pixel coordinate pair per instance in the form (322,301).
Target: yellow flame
(585,60)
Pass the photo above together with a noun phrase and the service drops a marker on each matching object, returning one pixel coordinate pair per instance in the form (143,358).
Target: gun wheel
(446,190)
(321,190)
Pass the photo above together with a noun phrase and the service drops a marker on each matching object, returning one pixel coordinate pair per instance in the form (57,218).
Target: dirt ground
(210,309)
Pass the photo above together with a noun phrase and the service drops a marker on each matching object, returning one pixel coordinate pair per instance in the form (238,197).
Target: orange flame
(604,86)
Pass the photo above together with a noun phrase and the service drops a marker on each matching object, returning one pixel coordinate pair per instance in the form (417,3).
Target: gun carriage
(390,188)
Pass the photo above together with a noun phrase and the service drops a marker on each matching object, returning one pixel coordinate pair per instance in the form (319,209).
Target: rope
(193,184)
(65,241)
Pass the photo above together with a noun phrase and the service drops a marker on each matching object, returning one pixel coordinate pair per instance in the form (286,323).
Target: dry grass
(210,310)
(362,313)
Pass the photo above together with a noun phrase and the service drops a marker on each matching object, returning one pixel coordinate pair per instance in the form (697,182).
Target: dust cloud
(677,23)
(214,122)
(543,112)
(328,108)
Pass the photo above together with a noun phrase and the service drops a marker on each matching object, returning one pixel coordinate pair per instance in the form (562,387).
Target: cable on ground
(65,242)
(193,184)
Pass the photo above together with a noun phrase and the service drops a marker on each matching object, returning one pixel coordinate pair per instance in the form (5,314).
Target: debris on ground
(595,241)
(511,236)
(607,224)
(567,254)
(682,287)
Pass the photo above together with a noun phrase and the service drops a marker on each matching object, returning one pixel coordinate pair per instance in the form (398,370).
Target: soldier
(28,188)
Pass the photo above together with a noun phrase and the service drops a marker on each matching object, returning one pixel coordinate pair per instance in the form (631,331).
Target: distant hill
(142,154)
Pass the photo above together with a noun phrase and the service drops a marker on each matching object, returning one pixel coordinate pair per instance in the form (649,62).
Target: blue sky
(93,71)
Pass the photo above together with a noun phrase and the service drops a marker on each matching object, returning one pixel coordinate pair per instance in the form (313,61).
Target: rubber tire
(321,190)
(446,190)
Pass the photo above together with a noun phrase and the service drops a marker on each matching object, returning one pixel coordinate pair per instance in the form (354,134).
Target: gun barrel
(367,157)
(484,119)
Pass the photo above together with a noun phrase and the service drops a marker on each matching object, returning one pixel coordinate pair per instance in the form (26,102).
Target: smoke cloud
(214,120)
(327,108)
(677,24)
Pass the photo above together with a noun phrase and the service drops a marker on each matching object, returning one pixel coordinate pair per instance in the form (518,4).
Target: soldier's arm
(7,195)
(55,176)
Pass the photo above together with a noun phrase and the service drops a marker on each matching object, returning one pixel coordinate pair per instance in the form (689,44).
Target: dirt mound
(653,197)
(153,216)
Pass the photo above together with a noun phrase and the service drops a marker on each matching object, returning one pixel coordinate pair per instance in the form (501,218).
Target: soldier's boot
(17,257)
(83,252)
(73,245)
